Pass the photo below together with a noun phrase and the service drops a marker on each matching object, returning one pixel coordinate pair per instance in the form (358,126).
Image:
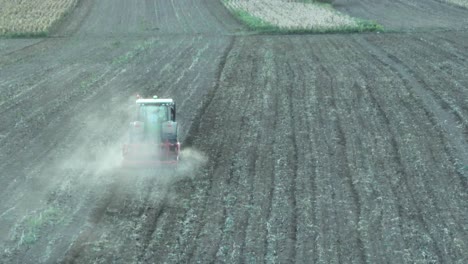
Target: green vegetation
(254,23)
(41,34)
(31,226)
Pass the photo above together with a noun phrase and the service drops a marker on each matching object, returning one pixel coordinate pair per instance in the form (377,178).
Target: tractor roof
(154,101)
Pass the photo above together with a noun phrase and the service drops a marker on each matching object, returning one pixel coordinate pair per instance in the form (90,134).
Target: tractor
(152,139)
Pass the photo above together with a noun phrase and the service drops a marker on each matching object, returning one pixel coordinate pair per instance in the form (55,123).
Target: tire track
(258,114)
(234,180)
(294,164)
(229,182)
(252,171)
(227,200)
(153,215)
(198,119)
(343,159)
(195,130)
(321,200)
(23,49)
(311,129)
(331,95)
(272,184)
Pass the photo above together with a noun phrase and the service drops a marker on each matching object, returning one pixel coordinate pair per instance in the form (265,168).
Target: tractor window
(153,113)
(173,114)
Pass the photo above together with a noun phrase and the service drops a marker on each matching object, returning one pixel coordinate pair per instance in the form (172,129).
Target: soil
(331,148)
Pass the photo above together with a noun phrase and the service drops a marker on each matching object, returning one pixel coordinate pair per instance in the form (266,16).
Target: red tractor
(153,135)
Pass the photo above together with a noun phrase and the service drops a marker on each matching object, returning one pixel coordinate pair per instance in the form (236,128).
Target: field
(295,16)
(328,148)
(31,17)
(463,3)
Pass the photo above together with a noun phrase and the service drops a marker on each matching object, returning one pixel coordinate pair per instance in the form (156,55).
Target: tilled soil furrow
(391,170)
(281,224)
(356,197)
(246,222)
(323,149)
(195,126)
(190,250)
(450,104)
(341,175)
(455,144)
(457,139)
(89,233)
(365,183)
(236,210)
(234,93)
(326,249)
(450,66)
(294,160)
(422,201)
(306,102)
(424,118)
(401,189)
(242,212)
(261,175)
(272,185)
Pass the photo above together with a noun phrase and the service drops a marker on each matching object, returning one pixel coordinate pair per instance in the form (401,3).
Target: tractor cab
(155,121)
(164,109)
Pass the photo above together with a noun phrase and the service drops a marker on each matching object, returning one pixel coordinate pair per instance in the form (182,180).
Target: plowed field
(297,148)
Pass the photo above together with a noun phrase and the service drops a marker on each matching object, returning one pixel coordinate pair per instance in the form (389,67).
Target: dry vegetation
(31,17)
(295,16)
(463,3)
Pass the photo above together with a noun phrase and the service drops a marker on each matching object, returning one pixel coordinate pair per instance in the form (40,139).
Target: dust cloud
(97,163)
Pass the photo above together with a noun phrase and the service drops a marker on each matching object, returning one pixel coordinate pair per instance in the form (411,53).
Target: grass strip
(260,25)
